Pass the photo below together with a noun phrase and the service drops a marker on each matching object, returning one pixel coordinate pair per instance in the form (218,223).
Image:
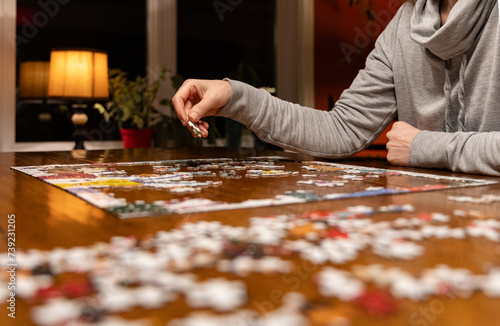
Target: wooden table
(47,217)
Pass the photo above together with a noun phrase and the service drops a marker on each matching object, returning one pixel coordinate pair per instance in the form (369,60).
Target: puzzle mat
(139,189)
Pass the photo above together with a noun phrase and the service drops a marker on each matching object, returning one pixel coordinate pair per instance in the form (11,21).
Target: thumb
(198,111)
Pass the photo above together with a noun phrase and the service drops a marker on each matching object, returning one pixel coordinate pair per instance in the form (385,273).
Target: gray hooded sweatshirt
(444,80)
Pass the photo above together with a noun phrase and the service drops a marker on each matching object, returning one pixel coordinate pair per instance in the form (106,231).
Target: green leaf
(102,110)
(139,122)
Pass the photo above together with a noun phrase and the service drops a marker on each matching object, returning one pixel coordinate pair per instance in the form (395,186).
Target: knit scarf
(462,27)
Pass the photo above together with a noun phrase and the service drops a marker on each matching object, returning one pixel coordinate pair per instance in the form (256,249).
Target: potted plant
(131,107)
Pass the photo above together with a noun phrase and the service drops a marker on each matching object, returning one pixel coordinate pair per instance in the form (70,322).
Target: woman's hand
(197,99)
(400,138)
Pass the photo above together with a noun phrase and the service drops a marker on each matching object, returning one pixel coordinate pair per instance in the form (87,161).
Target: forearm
(468,152)
(339,133)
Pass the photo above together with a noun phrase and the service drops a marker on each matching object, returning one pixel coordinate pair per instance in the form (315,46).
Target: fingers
(198,111)
(202,126)
(188,101)
(203,129)
(393,132)
(196,99)
(205,97)
(181,103)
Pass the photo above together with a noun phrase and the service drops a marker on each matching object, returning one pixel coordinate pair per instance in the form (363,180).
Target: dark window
(235,39)
(217,40)
(116,26)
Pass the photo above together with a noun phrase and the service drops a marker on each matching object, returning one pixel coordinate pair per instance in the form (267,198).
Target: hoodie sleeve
(469,152)
(358,118)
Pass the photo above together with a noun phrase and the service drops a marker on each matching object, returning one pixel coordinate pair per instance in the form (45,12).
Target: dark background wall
(340,32)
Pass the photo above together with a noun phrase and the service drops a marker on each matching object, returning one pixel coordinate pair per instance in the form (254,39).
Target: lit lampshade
(78,74)
(33,79)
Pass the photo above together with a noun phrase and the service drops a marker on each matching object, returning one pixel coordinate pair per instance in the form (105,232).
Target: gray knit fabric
(443,80)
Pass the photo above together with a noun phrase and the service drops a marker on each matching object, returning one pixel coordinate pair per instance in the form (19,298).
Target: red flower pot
(136,138)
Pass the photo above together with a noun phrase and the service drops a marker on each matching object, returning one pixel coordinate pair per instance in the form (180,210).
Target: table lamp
(33,79)
(33,84)
(80,76)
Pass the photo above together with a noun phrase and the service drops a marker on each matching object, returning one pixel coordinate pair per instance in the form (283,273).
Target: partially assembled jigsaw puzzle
(138,189)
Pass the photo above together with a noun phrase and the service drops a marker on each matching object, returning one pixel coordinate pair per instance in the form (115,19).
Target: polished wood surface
(47,217)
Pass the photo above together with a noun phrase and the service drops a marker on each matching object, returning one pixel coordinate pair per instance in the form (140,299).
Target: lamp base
(79,139)
(79,119)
